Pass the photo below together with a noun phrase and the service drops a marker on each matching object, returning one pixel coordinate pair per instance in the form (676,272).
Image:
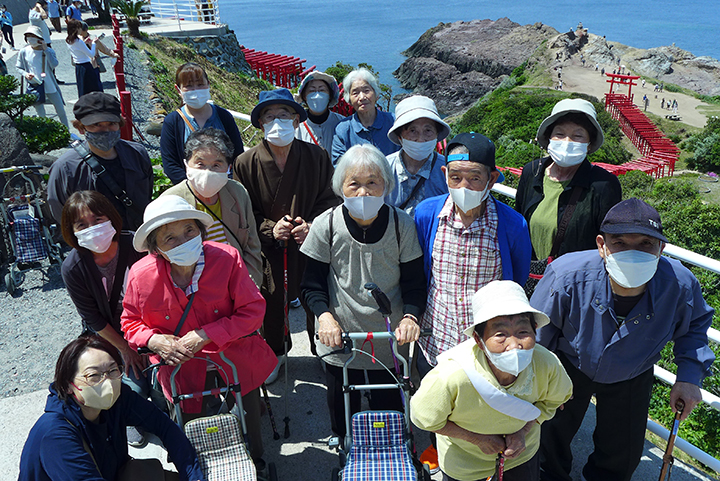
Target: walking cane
(499,467)
(276,435)
(668,459)
(284,244)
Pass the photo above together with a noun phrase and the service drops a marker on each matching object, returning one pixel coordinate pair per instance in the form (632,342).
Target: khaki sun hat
(34,30)
(413,108)
(164,210)
(502,298)
(569,106)
(328,79)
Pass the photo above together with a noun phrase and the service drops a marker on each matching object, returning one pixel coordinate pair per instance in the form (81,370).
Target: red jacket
(227,305)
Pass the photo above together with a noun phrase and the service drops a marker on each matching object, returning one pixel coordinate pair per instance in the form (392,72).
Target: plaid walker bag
(27,233)
(379,451)
(220,448)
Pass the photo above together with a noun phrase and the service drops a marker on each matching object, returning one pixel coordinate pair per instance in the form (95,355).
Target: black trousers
(7,31)
(619,435)
(380,399)
(528,471)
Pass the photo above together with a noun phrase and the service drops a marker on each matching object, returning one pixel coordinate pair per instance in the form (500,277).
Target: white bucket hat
(413,108)
(328,79)
(164,210)
(34,30)
(502,298)
(569,106)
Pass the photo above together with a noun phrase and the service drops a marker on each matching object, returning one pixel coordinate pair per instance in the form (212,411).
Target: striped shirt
(216,231)
(463,261)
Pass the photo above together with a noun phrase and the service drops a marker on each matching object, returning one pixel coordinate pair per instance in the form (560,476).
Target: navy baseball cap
(481,150)
(633,216)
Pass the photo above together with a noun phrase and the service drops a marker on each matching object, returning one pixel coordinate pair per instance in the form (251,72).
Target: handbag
(537,267)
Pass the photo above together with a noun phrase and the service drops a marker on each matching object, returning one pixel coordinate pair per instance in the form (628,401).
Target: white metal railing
(660,373)
(204,11)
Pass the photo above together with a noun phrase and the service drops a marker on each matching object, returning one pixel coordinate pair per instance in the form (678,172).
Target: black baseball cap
(97,107)
(633,216)
(481,150)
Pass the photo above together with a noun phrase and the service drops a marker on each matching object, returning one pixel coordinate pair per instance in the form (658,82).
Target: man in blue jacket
(610,317)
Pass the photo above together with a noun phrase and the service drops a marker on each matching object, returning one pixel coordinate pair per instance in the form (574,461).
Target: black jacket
(601,191)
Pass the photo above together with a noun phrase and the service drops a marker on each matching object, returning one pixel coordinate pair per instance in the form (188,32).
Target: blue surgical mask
(317,101)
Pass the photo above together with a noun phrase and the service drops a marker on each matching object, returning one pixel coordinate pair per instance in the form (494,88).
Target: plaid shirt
(454,280)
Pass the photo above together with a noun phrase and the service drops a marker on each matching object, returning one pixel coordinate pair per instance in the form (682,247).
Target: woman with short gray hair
(368,125)
(208,153)
(364,240)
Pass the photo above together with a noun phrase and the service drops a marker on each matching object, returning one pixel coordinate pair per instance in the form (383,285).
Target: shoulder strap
(184,315)
(119,279)
(187,121)
(419,185)
(397,226)
(85,445)
(89,158)
(213,213)
(309,131)
(565,220)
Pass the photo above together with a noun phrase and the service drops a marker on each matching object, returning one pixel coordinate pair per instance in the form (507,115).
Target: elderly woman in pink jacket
(209,282)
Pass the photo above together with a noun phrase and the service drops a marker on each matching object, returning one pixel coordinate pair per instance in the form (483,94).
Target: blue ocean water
(376,32)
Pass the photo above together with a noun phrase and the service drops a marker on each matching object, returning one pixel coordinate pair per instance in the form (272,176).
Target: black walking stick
(668,459)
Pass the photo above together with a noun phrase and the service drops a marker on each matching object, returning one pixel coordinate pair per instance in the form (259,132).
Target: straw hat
(413,108)
(502,298)
(164,210)
(328,79)
(569,106)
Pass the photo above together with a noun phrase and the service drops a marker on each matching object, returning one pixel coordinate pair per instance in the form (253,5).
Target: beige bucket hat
(164,210)
(413,108)
(569,106)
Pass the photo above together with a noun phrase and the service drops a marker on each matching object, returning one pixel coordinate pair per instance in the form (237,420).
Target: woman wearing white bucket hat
(563,197)
(318,92)
(489,395)
(208,284)
(417,166)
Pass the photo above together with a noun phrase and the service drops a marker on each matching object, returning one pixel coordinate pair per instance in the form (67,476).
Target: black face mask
(103,141)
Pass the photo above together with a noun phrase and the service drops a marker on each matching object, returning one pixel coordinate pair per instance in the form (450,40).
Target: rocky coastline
(457,63)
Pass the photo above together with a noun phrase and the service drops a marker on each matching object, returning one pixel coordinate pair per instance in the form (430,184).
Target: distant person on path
(73,12)
(491,393)
(646,102)
(289,182)
(209,153)
(37,16)
(319,92)
(6,21)
(675,106)
(368,125)
(82,49)
(566,182)
(195,113)
(364,240)
(53,10)
(416,167)
(662,103)
(36,62)
(643,83)
(81,434)
(612,311)
(120,163)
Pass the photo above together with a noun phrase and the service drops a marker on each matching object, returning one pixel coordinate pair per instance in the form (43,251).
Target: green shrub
(42,134)
(161,183)
(13,104)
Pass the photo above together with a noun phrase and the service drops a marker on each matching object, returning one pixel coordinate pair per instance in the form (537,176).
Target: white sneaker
(274,375)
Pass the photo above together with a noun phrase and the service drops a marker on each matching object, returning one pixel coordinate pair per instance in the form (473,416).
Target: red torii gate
(621,79)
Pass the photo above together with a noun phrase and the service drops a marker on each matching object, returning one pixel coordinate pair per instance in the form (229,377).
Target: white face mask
(631,268)
(33,41)
(512,362)
(567,154)
(418,150)
(279,132)
(206,182)
(467,199)
(364,207)
(185,254)
(102,396)
(317,102)
(97,238)
(196,99)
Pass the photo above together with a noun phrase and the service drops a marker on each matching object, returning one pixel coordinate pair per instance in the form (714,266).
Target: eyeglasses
(96,378)
(269,118)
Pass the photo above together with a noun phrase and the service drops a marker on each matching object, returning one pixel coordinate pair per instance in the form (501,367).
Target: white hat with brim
(413,108)
(164,210)
(34,30)
(570,106)
(502,298)
(328,79)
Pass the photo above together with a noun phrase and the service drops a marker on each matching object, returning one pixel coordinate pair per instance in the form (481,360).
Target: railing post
(126,133)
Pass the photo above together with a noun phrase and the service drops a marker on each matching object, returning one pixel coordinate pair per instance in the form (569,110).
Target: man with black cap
(119,169)
(611,315)
(288,181)
(468,239)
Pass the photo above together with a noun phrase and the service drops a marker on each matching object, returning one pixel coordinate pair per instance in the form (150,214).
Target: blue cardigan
(512,232)
(54,448)
(172,142)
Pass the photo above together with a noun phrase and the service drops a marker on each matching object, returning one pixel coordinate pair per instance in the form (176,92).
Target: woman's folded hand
(170,349)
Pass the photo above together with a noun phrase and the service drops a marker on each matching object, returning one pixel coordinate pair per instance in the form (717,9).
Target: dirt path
(587,80)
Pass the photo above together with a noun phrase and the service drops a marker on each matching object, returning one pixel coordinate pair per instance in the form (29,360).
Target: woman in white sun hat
(416,166)
(318,93)
(488,395)
(208,281)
